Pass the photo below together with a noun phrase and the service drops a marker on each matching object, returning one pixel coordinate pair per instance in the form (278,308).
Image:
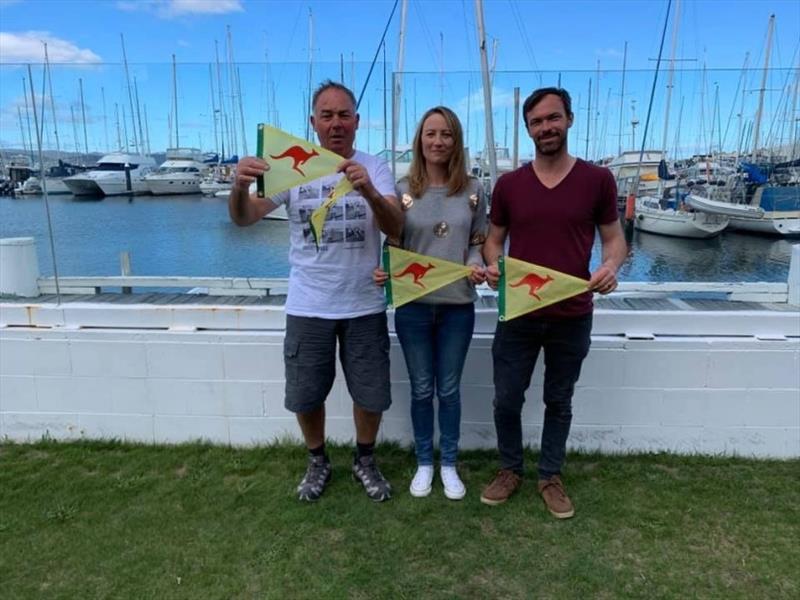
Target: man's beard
(550,149)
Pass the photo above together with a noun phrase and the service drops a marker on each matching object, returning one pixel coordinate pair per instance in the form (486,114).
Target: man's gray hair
(330,84)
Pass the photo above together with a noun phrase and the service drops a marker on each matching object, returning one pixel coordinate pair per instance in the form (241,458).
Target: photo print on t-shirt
(308,192)
(354,233)
(335,213)
(327,188)
(355,210)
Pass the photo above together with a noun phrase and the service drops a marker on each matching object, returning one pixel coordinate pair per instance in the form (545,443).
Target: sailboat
(754,186)
(668,213)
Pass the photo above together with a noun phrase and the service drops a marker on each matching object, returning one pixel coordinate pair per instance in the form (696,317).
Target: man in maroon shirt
(549,209)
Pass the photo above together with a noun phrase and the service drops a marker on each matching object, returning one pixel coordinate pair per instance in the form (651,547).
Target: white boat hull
(119,186)
(719,207)
(81,185)
(769,225)
(677,223)
(159,186)
(56,185)
(212,188)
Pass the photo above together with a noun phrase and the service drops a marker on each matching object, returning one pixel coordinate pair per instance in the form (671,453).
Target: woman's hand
(380,277)
(478,275)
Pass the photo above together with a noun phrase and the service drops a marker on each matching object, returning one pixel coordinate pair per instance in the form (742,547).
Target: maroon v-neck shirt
(555,227)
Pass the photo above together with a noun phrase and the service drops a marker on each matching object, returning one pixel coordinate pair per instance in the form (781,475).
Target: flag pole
(387,267)
(501,288)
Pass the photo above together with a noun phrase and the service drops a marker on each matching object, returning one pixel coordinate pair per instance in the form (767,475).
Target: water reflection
(193,236)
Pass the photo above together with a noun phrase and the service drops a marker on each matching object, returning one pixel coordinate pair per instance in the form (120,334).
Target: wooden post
(125,269)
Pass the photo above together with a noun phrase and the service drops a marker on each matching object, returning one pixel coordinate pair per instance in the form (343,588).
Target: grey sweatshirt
(449,227)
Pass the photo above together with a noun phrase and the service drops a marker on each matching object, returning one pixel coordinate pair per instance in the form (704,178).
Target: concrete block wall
(715,395)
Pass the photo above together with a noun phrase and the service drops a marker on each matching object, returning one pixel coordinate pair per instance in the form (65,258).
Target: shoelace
(557,485)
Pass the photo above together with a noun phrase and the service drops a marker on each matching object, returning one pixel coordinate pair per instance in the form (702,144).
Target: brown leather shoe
(555,498)
(505,483)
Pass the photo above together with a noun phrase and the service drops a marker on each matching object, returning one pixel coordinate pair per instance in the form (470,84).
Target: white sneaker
(421,484)
(453,487)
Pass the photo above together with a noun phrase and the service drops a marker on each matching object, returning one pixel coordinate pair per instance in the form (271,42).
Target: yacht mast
(28,119)
(83,117)
(52,99)
(670,74)
(622,97)
(630,203)
(759,113)
(119,135)
(175,101)
(241,110)
(130,97)
(222,120)
(487,93)
(213,109)
(22,130)
(398,81)
(138,116)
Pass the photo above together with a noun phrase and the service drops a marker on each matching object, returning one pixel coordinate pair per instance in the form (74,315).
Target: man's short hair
(537,95)
(330,84)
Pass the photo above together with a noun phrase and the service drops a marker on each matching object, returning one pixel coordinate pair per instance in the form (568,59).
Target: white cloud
(500,99)
(206,7)
(167,9)
(28,47)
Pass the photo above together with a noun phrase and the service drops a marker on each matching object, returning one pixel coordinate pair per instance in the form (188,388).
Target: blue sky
(538,42)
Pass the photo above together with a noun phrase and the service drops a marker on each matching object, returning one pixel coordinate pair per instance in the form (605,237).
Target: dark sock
(318,451)
(364,449)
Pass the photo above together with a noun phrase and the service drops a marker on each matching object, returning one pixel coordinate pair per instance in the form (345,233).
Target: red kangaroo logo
(298,156)
(417,271)
(534,282)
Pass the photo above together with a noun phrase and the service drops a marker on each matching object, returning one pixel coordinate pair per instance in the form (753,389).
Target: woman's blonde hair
(456,168)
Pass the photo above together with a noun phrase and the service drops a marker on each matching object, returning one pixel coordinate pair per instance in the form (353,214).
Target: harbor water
(193,236)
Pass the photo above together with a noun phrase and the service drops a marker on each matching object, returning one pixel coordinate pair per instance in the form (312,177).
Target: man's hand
(357,175)
(478,275)
(493,275)
(248,170)
(603,280)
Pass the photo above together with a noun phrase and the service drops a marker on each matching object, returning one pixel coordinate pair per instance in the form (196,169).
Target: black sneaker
(366,471)
(318,474)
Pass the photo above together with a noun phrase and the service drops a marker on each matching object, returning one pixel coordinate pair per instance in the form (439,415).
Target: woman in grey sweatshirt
(445,217)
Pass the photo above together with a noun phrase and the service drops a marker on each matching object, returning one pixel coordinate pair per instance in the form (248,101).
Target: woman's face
(438,142)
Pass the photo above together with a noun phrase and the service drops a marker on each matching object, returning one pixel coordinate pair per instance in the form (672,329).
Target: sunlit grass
(103,519)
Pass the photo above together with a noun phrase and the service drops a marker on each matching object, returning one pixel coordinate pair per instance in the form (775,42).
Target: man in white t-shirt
(331,293)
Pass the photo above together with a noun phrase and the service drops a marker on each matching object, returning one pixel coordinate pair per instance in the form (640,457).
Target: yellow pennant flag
(413,275)
(291,161)
(319,215)
(525,287)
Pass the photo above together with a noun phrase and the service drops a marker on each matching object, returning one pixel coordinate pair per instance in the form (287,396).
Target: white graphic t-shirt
(336,281)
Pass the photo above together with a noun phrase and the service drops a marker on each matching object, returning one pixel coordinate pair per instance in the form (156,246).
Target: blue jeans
(514,351)
(435,339)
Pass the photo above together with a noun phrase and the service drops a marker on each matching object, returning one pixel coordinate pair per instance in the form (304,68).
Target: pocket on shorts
(291,351)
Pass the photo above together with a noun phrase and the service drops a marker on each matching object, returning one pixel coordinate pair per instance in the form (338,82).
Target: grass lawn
(111,520)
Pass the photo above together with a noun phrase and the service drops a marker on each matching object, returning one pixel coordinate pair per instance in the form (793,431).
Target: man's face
(547,124)
(335,121)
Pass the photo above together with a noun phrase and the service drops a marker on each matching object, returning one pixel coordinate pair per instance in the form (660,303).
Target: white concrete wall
(714,395)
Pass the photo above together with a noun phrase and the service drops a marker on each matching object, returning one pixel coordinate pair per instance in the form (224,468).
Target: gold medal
(473,201)
(441,230)
(406,201)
